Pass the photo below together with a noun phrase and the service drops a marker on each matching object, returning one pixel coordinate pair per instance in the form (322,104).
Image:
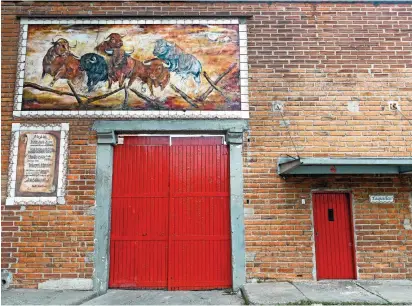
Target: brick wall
(279,228)
(320,62)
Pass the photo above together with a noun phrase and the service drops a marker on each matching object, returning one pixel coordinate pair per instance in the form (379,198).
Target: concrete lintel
(159,126)
(234,137)
(106,136)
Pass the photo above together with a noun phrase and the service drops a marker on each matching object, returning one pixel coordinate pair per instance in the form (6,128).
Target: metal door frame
(172,136)
(352,228)
(107,138)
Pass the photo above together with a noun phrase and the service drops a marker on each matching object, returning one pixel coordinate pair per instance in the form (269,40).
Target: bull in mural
(122,66)
(88,66)
(177,61)
(157,75)
(113,41)
(96,69)
(60,63)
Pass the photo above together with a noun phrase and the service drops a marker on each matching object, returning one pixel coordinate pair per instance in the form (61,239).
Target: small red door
(335,256)
(170,223)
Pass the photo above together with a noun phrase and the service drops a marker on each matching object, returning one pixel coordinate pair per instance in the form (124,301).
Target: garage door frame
(107,137)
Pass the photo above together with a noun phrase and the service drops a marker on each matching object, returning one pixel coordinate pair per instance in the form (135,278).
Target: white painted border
(178,114)
(62,175)
(130,20)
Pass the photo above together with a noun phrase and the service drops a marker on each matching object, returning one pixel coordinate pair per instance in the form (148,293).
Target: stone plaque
(38,167)
(38,164)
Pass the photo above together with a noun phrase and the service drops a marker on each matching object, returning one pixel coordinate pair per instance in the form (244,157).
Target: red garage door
(170,223)
(333,236)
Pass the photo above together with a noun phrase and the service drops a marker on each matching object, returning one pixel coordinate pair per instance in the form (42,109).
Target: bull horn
(74,45)
(109,51)
(93,60)
(166,65)
(129,52)
(122,35)
(147,62)
(53,41)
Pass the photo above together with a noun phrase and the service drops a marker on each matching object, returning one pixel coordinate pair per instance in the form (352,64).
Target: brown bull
(122,67)
(60,63)
(158,74)
(113,41)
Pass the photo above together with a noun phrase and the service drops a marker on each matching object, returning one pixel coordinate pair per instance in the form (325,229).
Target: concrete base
(377,292)
(394,291)
(45,297)
(337,292)
(161,297)
(6,279)
(272,293)
(67,284)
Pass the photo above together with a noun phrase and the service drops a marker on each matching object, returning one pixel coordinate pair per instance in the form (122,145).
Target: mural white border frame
(243,113)
(63,164)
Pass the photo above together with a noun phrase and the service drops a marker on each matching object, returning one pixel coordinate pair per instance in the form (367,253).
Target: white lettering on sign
(381,198)
(39,163)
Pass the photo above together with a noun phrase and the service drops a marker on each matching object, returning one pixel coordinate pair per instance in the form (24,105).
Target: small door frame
(107,138)
(352,227)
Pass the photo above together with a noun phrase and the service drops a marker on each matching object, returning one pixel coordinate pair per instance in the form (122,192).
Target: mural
(132,67)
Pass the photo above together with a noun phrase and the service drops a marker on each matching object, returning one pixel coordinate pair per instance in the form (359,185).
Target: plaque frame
(17,129)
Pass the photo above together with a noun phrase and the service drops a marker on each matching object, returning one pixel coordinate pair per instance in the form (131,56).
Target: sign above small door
(381,198)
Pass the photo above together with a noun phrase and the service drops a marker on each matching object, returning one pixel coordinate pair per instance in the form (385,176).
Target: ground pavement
(384,292)
(330,292)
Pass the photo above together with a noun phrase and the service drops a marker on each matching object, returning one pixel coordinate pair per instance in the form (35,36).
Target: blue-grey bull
(177,61)
(96,69)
